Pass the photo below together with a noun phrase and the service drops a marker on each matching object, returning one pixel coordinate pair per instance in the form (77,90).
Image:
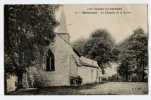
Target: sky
(119,20)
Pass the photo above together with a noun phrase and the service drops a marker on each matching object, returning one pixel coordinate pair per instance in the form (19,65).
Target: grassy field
(110,88)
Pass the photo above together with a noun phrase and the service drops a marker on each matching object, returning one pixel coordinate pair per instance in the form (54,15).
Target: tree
(133,54)
(115,53)
(28,30)
(99,47)
(78,45)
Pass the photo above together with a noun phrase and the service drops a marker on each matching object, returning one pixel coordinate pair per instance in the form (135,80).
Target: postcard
(76,49)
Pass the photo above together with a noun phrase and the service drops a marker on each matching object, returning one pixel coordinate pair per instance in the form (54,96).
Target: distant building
(110,71)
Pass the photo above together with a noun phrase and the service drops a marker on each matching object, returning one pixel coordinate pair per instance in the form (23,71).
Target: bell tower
(60,17)
(61,29)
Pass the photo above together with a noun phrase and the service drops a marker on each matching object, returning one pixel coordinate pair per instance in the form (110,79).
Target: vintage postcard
(84,49)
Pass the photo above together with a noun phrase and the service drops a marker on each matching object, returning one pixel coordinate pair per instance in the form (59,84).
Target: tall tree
(99,47)
(28,29)
(134,51)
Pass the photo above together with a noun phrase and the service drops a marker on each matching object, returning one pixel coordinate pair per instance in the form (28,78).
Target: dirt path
(110,88)
(118,88)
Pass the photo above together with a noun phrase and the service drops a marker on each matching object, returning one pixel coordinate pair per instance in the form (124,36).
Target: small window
(50,61)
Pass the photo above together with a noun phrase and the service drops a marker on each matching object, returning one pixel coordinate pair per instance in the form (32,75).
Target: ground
(109,88)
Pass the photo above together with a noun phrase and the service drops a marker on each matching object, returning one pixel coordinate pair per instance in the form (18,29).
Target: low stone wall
(11,82)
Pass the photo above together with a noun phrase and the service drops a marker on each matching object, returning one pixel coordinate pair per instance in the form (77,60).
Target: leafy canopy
(28,29)
(133,53)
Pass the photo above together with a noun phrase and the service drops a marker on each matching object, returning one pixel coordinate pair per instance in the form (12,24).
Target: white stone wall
(88,74)
(65,65)
(73,66)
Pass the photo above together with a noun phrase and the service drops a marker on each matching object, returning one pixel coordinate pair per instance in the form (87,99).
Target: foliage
(28,31)
(113,78)
(27,28)
(133,54)
(115,53)
(99,46)
(78,45)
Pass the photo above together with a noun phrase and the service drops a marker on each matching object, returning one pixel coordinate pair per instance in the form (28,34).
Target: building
(89,71)
(61,65)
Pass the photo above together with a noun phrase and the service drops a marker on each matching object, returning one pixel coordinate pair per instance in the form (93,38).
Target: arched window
(50,61)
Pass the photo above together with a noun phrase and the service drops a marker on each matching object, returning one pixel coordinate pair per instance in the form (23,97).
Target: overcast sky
(81,20)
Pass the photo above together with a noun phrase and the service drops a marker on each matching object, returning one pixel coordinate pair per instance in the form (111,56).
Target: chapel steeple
(60,17)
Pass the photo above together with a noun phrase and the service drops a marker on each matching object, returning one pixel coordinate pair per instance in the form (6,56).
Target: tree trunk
(20,76)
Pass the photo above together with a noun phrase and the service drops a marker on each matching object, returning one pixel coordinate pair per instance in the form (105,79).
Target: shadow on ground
(55,90)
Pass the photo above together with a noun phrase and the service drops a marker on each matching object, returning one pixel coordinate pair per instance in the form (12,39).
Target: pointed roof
(60,17)
(88,62)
